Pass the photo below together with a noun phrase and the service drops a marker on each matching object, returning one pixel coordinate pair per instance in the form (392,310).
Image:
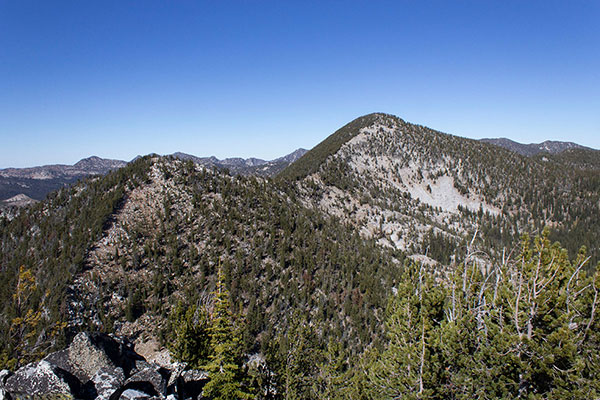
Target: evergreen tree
(228,378)
(28,329)
(334,380)
(191,341)
(524,329)
(409,366)
(301,355)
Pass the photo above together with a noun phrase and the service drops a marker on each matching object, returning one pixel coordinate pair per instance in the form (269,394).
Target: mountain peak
(91,159)
(311,161)
(393,179)
(292,157)
(95,164)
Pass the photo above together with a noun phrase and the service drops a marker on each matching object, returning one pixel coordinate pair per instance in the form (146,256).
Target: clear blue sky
(262,78)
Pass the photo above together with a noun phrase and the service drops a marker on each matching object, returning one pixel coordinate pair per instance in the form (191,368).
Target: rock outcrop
(101,367)
(44,379)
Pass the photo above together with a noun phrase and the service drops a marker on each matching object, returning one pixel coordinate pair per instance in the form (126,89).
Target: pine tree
(191,341)
(228,378)
(409,366)
(334,379)
(28,329)
(525,329)
(295,357)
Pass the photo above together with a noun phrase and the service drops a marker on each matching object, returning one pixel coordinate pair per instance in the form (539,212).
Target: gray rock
(61,360)
(44,379)
(95,366)
(191,383)
(186,383)
(4,375)
(106,382)
(90,352)
(140,365)
(194,375)
(151,376)
(132,394)
(176,371)
(88,355)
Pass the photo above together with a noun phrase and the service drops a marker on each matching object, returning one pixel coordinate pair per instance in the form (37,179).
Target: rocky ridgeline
(102,367)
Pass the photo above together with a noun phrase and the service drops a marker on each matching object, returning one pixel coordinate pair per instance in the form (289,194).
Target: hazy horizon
(224,157)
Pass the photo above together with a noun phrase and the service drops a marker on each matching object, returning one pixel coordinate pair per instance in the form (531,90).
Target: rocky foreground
(103,367)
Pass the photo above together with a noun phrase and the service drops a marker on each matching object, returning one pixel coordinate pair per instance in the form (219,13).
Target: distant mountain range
(246,166)
(87,166)
(532,149)
(37,182)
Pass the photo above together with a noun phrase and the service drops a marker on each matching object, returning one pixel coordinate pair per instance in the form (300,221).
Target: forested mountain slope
(117,253)
(427,192)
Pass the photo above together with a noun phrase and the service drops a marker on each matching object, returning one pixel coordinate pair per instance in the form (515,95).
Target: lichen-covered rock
(106,382)
(43,379)
(90,352)
(152,376)
(186,383)
(94,367)
(132,394)
(140,365)
(192,383)
(153,352)
(61,360)
(194,375)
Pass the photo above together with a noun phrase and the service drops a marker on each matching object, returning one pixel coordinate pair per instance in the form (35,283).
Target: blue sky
(262,78)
